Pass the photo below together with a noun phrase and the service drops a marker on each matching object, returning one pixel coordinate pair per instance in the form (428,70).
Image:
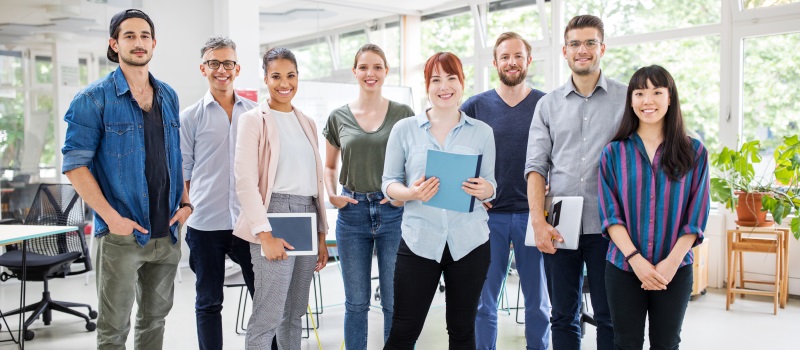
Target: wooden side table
(757,241)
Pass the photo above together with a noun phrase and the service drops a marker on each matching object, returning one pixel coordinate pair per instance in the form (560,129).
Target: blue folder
(452,169)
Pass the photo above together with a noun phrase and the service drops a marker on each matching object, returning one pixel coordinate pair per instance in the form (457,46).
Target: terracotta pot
(748,211)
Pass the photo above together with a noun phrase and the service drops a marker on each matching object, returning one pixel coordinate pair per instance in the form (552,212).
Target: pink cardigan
(255,163)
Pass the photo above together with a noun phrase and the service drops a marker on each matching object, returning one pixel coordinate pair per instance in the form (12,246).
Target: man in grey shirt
(208,140)
(570,127)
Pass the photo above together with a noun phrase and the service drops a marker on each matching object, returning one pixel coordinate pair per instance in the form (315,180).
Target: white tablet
(564,214)
(297,229)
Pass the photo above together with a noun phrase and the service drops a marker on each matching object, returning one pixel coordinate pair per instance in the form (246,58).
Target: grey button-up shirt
(567,134)
(426,229)
(208,142)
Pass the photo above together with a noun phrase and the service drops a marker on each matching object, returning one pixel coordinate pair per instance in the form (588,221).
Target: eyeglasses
(575,45)
(214,64)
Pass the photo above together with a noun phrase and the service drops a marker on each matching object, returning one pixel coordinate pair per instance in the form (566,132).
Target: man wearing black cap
(122,153)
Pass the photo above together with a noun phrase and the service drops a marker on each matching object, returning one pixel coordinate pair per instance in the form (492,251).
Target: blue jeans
(564,271)
(360,228)
(505,228)
(207,250)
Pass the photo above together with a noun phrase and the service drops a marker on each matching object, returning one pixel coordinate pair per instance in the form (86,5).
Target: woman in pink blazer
(278,170)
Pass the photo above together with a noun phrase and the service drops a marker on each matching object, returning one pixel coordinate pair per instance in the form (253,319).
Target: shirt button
(581,179)
(140,126)
(651,221)
(649,244)
(145,195)
(584,139)
(582,159)
(652,196)
(585,118)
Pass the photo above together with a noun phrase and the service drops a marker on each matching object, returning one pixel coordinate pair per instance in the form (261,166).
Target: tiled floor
(749,325)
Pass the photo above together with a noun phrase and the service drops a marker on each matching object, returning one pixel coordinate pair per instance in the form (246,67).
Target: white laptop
(564,214)
(297,229)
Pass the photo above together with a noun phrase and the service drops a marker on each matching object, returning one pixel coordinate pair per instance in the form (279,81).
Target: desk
(15,233)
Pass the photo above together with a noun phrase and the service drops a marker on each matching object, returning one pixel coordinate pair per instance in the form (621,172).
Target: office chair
(52,256)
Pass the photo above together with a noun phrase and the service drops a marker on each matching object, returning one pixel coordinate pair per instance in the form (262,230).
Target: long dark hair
(677,157)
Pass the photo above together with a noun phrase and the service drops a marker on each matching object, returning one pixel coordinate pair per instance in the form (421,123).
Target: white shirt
(296,172)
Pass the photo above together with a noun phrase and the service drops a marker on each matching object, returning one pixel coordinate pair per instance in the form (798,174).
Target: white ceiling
(32,22)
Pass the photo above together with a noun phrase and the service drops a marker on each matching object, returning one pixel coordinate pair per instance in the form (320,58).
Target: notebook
(564,214)
(452,169)
(297,229)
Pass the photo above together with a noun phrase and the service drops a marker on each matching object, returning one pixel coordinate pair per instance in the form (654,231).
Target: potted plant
(736,183)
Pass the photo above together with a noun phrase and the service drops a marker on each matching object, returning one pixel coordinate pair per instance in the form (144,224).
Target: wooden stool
(758,241)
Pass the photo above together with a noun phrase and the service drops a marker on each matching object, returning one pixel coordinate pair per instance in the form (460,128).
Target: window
(389,39)
(44,68)
(349,43)
(12,110)
(515,16)
(751,4)
(106,66)
(446,31)
(624,17)
(771,83)
(313,59)
(696,74)
(83,71)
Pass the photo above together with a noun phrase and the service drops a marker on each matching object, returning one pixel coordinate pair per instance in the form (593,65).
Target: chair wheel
(90,326)
(378,296)
(441,288)
(703,292)
(29,335)
(93,314)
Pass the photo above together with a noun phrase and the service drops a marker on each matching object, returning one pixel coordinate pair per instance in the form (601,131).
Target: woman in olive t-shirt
(358,132)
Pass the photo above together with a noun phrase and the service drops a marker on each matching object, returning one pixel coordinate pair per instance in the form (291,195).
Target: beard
(132,60)
(594,67)
(509,81)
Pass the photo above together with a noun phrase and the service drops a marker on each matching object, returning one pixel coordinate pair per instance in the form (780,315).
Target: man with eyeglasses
(570,127)
(208,140)
(122,155)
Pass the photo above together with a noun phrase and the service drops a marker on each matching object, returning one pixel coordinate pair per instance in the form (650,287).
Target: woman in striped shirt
(654,202)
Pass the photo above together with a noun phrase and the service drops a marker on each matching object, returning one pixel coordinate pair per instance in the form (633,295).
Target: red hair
(449,63)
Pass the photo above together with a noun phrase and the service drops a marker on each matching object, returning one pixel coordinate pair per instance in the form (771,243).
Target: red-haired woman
(437,241)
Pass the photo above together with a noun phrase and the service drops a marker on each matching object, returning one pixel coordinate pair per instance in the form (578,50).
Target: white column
(239,20)
(181,29)
(66,81)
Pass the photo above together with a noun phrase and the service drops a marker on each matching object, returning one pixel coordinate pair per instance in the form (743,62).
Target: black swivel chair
(52,256)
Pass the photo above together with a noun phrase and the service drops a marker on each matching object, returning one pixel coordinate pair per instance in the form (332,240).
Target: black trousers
(415,283)
(630,304)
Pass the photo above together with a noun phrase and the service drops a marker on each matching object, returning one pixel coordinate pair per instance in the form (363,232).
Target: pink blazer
(254,166)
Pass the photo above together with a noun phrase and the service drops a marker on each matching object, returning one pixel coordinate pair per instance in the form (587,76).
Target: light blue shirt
(208,142)
(426,230)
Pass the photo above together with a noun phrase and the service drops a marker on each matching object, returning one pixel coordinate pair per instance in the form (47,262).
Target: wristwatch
(187,205)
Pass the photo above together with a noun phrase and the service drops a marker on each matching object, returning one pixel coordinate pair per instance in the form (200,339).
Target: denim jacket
(105,133)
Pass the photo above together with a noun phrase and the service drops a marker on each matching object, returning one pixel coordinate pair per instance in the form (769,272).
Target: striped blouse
(655,210)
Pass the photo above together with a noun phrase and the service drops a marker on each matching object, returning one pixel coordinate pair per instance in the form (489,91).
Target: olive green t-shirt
(362,152)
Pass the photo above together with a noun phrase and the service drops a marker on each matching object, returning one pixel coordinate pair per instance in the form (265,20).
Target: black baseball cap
(117,20)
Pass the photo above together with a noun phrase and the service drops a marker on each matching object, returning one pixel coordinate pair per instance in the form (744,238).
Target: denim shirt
(425,229)
(105,133)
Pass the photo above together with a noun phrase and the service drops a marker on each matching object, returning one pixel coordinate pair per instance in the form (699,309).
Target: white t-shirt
(297,169)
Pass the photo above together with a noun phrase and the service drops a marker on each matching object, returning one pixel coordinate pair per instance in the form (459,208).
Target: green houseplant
(735,178)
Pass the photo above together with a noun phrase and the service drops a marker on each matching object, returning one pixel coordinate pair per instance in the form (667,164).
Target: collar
(121,84)
(208,98)
(423,122)
(570,86)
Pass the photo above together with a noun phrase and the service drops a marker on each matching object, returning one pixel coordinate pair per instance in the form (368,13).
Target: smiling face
(583,59)
(650,104)
(370,71)
(135,42)
(444,89)
(281,82)
(220,79)
(512,61)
